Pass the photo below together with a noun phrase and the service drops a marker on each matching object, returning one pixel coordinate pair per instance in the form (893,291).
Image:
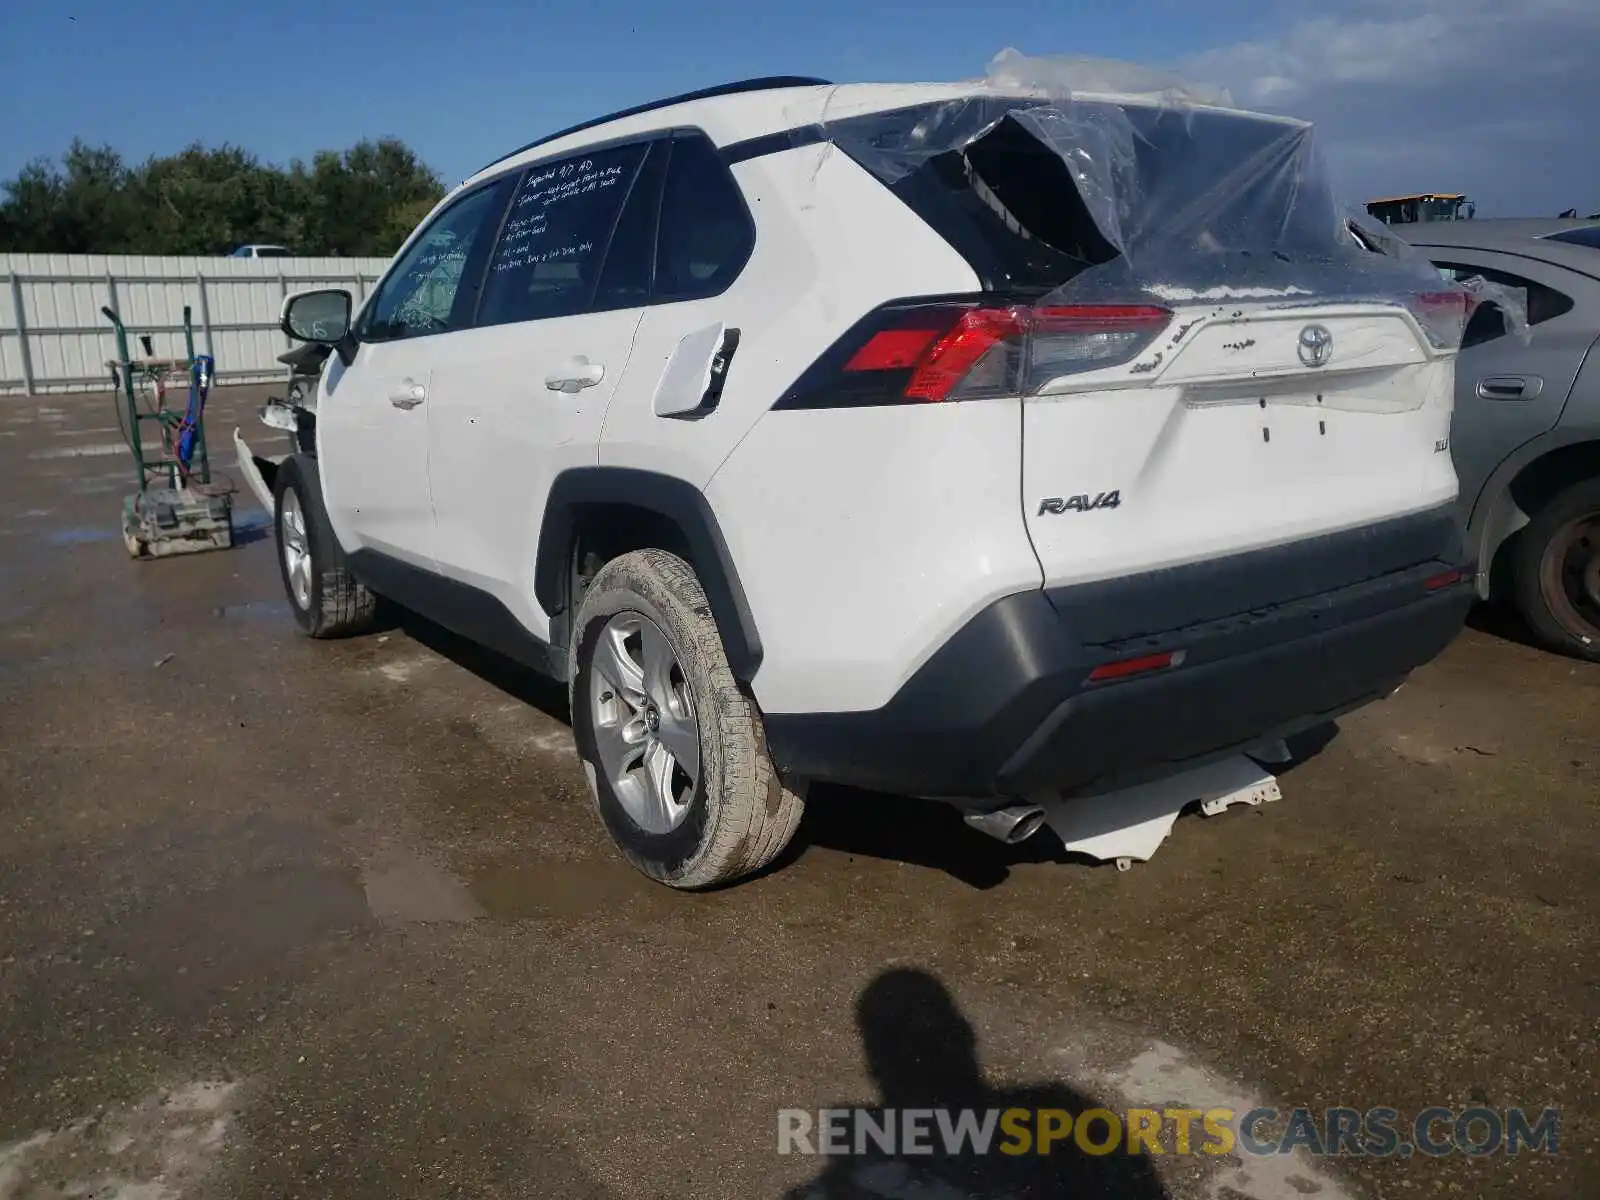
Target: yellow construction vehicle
(1425,206)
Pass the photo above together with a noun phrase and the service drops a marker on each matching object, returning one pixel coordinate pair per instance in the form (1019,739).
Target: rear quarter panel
(831,244)
(865,537)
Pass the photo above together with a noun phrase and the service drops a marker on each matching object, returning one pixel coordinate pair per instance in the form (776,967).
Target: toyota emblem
(1316,345)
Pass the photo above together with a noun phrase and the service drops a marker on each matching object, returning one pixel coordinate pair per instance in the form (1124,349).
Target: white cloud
(1496,98)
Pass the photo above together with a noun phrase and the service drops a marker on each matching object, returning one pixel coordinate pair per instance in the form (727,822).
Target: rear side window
(1543,302)
(706,231)
(547,261)
(1587,235)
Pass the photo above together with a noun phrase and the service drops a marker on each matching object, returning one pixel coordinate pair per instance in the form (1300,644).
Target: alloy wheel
(646,733)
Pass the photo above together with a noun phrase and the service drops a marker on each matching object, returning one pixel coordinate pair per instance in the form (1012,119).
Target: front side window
(424,292)
(706,232)
(557,230)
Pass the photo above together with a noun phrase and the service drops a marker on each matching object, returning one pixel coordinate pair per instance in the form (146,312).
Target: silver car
(1526,435)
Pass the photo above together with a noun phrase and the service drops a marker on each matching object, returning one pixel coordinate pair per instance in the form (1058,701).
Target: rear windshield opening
(1231,191)
(1028,186)
(1004,254)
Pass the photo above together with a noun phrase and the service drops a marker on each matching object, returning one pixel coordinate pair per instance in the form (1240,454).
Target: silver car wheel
(296,549)
(646,732)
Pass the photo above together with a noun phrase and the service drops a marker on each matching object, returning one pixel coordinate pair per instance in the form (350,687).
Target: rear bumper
(1274,642)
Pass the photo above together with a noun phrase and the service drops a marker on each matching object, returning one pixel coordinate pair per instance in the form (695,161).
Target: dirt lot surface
(282,918)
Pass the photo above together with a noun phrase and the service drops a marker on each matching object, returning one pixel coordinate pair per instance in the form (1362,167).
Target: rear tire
(325,597)
(1557,572)
(674,749)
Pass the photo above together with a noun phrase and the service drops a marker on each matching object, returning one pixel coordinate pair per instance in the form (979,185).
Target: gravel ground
(282,918)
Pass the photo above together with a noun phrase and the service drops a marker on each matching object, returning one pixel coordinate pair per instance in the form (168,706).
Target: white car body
(870,558)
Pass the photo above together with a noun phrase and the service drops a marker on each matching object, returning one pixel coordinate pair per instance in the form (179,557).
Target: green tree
(360,201)
(78,207)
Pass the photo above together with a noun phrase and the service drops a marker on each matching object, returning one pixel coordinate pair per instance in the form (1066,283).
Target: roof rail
(763,84)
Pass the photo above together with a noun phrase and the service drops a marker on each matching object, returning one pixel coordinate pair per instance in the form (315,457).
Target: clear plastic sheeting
(1065,74)
(1104,182)
(1484,323)
(1492,308)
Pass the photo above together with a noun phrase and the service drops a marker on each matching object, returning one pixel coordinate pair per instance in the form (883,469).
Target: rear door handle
(574,375)
(1509,387)
(407,394)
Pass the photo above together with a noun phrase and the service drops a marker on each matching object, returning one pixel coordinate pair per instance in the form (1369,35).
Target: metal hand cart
(175,508)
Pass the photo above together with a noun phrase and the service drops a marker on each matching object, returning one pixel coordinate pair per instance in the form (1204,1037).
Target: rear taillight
(937,351)
(1442,315)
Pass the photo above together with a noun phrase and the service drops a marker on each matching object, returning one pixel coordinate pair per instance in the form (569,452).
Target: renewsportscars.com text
(1376,1132)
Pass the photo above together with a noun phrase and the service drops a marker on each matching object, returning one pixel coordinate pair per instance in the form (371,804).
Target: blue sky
(1409,94)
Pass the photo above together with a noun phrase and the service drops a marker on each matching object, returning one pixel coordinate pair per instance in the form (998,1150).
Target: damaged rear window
(1005,194)
(1108,183)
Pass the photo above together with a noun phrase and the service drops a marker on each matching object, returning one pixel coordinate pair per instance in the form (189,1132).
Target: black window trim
(774,143)
(764,83)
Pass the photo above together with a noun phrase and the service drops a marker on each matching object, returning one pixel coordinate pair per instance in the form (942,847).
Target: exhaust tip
(1026,827)
(1009,825)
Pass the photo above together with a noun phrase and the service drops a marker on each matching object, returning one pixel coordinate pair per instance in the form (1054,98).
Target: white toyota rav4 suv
(965,441)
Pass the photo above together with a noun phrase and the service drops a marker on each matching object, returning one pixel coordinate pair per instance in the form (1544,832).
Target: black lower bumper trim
(1007,707)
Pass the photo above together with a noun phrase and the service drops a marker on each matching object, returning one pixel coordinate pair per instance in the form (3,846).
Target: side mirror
(322,317)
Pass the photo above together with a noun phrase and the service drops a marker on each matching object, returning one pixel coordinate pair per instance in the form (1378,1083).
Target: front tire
(1557,571)
(674,749)
(326,599)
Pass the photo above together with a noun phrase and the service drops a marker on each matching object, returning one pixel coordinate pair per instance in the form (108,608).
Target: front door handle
(1509,387)
(407,394)
(575,375)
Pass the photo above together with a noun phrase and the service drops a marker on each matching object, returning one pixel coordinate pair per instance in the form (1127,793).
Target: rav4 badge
(1056,505)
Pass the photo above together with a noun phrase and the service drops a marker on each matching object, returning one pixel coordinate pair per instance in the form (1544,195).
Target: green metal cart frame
(126,371)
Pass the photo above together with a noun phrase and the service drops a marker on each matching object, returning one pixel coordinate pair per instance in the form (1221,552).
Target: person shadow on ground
(922,1053)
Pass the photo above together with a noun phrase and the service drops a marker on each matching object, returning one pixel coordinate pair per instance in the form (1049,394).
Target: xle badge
(1064,504)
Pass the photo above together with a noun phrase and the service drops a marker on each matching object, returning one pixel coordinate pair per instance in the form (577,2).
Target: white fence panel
(54,338)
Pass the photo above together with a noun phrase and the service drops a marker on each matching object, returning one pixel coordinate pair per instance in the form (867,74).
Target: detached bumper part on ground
(1271,643)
